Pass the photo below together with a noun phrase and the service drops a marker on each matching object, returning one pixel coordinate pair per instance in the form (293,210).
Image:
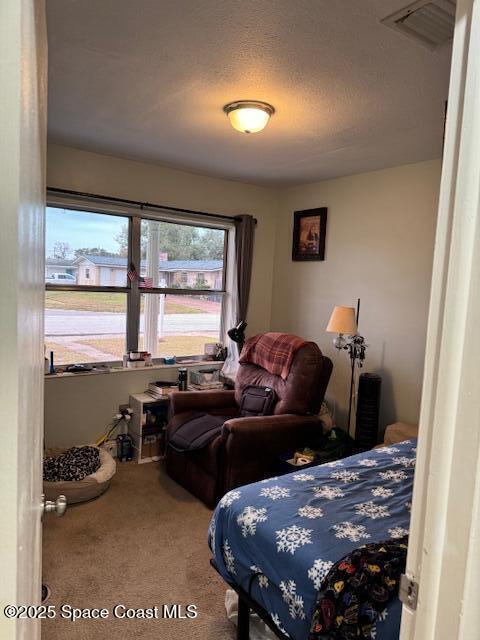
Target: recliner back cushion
(300,393)
(257,401)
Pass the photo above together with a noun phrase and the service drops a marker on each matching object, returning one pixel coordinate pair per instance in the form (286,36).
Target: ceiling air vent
(430,22)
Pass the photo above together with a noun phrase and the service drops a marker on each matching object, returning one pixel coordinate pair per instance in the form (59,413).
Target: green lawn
(108,302)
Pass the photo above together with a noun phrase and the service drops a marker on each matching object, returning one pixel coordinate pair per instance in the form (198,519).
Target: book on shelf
(160,389)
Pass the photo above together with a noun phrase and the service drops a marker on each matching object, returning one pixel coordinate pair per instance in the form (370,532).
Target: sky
(80,229)
(86,230)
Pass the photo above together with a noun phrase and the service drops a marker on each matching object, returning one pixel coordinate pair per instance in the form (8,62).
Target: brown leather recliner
(247,446)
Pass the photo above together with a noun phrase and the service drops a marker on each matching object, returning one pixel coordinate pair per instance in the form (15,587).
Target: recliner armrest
(208,401)
(268,426)
(252,444)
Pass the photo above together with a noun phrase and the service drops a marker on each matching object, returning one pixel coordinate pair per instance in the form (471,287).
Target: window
(85,326)
(180,322)
(171,304)
(86,242)
(179,325)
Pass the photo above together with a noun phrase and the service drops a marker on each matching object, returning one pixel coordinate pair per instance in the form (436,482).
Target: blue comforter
(278,538)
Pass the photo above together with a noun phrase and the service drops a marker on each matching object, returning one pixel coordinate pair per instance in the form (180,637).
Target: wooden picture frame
(309,231)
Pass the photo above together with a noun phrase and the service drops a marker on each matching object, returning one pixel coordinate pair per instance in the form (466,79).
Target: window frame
(135,216)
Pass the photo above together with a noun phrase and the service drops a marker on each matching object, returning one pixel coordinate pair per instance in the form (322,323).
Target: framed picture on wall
(309,229)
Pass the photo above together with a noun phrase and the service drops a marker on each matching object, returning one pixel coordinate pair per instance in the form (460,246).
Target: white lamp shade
(249,116)
(342,320)
(248,119)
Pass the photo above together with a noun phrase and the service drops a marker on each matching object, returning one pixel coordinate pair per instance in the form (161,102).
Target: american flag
(145,282)
(131,273)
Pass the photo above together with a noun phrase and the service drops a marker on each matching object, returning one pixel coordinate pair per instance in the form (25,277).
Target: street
(60,322)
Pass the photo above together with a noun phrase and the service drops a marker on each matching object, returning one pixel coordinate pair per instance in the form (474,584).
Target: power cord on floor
(109,431)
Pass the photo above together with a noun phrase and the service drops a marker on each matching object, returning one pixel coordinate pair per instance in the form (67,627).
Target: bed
(275,540)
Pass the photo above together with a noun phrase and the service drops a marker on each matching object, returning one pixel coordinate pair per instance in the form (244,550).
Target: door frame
(444,544)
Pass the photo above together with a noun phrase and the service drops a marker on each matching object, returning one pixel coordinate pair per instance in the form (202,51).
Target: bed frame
(245,605)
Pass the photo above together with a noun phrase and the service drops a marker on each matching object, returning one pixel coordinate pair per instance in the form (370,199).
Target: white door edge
(23,79)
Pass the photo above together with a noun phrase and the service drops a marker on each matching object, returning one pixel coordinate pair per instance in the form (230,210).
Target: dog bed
(90,487)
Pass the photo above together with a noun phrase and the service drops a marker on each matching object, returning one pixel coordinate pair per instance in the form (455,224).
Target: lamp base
(340,342)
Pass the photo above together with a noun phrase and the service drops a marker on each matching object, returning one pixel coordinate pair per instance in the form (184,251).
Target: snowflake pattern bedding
(278,538)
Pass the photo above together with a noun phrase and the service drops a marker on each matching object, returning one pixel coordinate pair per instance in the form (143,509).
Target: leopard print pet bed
(80,473)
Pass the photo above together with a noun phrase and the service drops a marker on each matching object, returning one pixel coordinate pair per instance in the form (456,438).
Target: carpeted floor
(143,543)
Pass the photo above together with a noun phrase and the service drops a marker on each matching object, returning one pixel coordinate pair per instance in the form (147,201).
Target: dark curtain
(244,235)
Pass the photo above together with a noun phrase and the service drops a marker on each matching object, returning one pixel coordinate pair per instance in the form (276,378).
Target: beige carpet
(143,543)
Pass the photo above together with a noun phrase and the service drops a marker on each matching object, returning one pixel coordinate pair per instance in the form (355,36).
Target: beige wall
(77,410)
(379,248)
(94,173)
(93,272)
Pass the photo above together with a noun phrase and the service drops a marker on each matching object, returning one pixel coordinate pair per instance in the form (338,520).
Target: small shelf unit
(147,426)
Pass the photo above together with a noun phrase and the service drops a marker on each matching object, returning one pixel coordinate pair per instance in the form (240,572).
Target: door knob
(59,506)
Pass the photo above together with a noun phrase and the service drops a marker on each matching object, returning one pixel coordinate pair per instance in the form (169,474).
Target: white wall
(379,247)
(77,410)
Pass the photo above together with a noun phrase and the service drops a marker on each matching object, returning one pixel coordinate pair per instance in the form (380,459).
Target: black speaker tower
(368,407)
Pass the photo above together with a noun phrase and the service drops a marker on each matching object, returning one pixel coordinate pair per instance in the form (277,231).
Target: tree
(212,244)
(122,240)
(179,242)
(61,250)
(93,251)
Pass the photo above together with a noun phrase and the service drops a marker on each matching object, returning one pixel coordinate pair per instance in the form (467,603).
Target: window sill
(114,370)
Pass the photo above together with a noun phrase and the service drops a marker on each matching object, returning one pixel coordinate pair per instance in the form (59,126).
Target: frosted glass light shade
(248,116)
(342,320)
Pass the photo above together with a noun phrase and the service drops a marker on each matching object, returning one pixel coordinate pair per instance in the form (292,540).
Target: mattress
(278,538)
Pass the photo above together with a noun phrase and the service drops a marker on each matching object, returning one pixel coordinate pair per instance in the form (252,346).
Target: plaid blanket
(272,351)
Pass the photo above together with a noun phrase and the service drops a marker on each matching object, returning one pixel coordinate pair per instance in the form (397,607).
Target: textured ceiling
(147,79)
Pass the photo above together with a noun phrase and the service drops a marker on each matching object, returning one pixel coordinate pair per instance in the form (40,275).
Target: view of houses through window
(85,249)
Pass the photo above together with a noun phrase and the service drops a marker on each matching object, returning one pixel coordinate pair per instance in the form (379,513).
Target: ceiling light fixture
(249,116)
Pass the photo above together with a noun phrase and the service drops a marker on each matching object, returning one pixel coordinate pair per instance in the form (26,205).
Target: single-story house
(112,271)
(60,265)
